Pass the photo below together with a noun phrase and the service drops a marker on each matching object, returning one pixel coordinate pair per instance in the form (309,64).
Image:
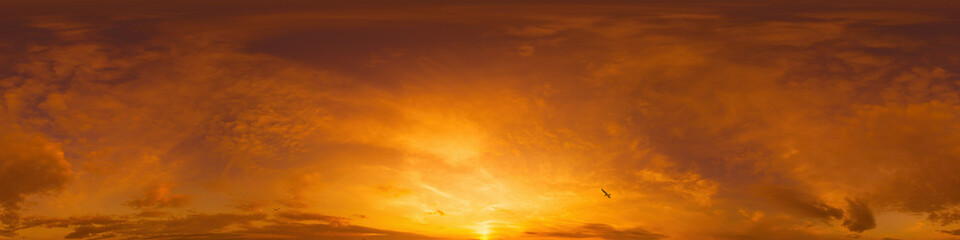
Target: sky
(479,120)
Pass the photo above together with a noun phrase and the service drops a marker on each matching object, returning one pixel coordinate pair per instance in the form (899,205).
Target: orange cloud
(31,165)
(159,195)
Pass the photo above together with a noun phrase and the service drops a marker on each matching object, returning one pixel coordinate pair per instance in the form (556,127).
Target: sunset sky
(480,120)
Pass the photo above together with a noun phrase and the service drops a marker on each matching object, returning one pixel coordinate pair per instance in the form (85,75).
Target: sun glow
(484,230)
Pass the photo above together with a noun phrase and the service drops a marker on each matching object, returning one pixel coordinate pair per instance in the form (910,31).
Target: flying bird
(605,193)
(276,209)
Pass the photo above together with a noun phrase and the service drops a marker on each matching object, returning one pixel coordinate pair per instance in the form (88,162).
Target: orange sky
(479,120)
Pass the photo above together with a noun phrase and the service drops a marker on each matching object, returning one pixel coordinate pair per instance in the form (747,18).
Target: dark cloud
(602,231)
(286,225)
(34,163)
(151,213)
(302,216)
(951,232)
(29,164)
(326,231)
(944,217)
(802,203)
(93,220)
(91,231)
(858,216)
(132,226)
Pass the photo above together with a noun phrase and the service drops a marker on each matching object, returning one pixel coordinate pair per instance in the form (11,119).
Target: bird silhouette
(276,209)
(605,193)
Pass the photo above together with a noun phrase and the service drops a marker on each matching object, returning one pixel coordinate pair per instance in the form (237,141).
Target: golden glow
(469,119)
(484,230)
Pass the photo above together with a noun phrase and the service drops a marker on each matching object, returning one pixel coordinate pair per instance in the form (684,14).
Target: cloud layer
(487,120)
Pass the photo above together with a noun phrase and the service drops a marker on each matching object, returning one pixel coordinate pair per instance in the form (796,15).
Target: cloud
(301,216)
(525,50)
(879,18)
(151,213)
(249,206)
(30,165)
(34,163)
(951,232)
(804,204)
(285,225)
(531,31)
(858,217)
(324,231)
(89,231)
(204,226)
(683,111)
(438,213)
(159,195)
(945,216)
(602,231)
(295,190)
